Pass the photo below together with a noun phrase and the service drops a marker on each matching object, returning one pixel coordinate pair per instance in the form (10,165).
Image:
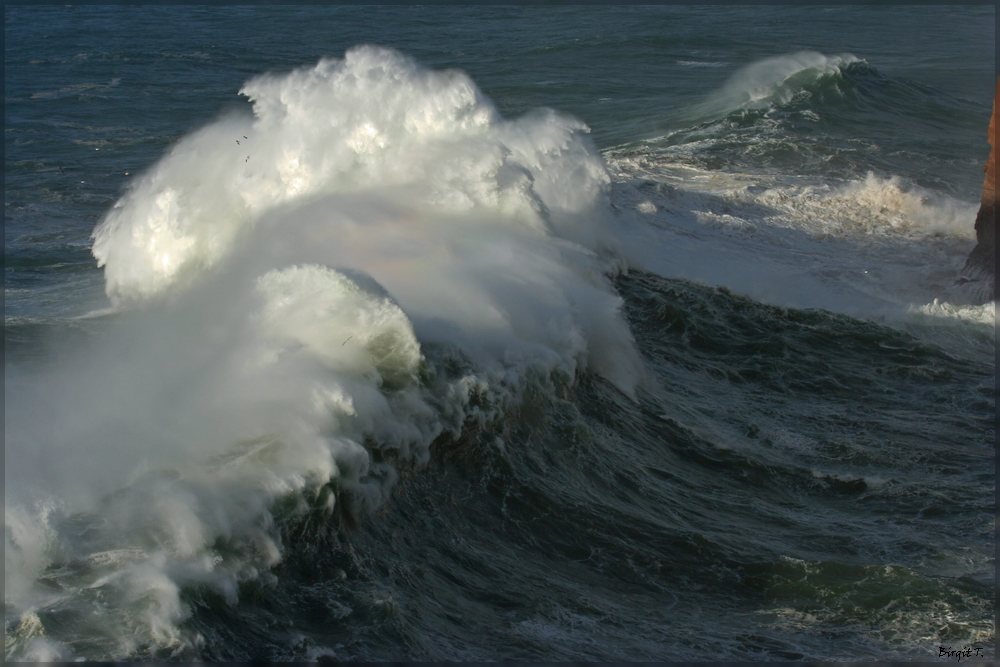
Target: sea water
(506,333)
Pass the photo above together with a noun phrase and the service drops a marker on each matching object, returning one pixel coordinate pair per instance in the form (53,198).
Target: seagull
(244,136)
(345,342)
(248,159)
(61,170)
(237,141)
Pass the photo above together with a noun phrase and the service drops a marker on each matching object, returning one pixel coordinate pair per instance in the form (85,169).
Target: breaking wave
(306,300)
(779,80)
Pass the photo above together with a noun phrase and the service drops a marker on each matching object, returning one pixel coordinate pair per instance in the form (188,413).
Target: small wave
(698,63)
(776,81)
(984,314)
(75,89)
(965,330)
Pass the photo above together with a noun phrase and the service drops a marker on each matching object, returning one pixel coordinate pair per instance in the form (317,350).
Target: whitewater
(370,291)
(297,298)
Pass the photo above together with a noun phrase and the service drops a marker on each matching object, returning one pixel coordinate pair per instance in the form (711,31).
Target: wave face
(281,280)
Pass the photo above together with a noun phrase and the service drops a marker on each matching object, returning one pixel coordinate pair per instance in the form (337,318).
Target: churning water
(496,333)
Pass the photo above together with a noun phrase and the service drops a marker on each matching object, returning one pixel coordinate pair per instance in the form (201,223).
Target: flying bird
(244,136)
(345,342)
(61,170)
(237,141)
(248,159)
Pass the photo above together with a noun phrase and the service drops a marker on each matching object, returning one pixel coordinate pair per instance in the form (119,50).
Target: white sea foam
(978,314)
(371,120)
(873,207)
(964,328)
(874,247)
(277,296)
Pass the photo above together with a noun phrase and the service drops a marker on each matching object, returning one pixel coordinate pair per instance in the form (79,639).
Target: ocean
(601,333)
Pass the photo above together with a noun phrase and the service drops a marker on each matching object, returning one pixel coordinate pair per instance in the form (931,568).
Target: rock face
(979,274)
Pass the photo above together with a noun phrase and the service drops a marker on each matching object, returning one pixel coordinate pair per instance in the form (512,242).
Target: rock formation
(979,274)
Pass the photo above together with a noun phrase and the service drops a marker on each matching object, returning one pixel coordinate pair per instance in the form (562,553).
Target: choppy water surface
(496,333)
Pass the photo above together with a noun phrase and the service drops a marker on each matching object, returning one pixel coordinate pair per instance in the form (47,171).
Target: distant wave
(779,80)
(811,86)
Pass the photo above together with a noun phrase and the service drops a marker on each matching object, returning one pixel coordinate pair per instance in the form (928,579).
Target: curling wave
(308,298)
(779,80)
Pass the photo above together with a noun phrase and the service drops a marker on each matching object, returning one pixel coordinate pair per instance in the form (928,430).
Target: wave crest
(372,120)
(776,81)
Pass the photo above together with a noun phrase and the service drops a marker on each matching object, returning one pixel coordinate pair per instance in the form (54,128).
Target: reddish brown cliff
(990,185)
(980,269)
